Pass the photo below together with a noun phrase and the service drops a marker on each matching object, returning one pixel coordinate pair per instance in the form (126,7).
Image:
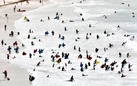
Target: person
(30,55)
(27,1)
(71,79)
(96,50)
(4,1)
(65,28)
(129,67)
(2,42)
(87,37)
(17,49)
(26,19)
(11,34)
(40,1)
(86,66)
(120,54)
(77,31)
(47,76)
(52,33)
(31,78)
(110,45)
(81,69)
(97,36)
(74,47)
(63,54)
(14,8)
(63,69)
(48,18)
(8,56)
(63,37)
(84,75)
(118,26)
(89,25)
(81,64)
(79,49)
(94,64)
(88,63)
(123,63)
(5,27)
(105,32)
(6,15)
(106,60)
(80,56)
(38,64)
(123,75)
(82,19)
(46,33)
(128,55)
(9,49)
(5,73)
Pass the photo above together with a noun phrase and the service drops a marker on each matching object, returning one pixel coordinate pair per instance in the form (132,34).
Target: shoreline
(16,73)
(16,2)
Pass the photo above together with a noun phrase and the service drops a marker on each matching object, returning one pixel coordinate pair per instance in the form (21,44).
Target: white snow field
(116,17)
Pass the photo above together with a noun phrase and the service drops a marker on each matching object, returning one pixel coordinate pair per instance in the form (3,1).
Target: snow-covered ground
(102,15)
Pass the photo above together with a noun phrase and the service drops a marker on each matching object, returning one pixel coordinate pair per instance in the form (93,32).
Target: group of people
(56,57)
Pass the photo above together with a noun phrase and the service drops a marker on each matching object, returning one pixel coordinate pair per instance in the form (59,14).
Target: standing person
(8,56)
(65,28)
(5,27)
(129,67)
(94,64)
(79,49)
(5,73)
(52,33)
(63,54)
(4,1)
(123,63)
(6,15)
(77,31)
(97,36)
(9,49)
(14,8)
(2,42)
(74,47)
(40,1)
(48,18)
(30,55)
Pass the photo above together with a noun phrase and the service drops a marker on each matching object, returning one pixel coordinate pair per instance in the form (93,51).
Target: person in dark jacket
(71,79)
(5,73)
(31,78)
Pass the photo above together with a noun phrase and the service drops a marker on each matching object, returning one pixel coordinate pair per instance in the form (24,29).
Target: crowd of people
(57,56)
